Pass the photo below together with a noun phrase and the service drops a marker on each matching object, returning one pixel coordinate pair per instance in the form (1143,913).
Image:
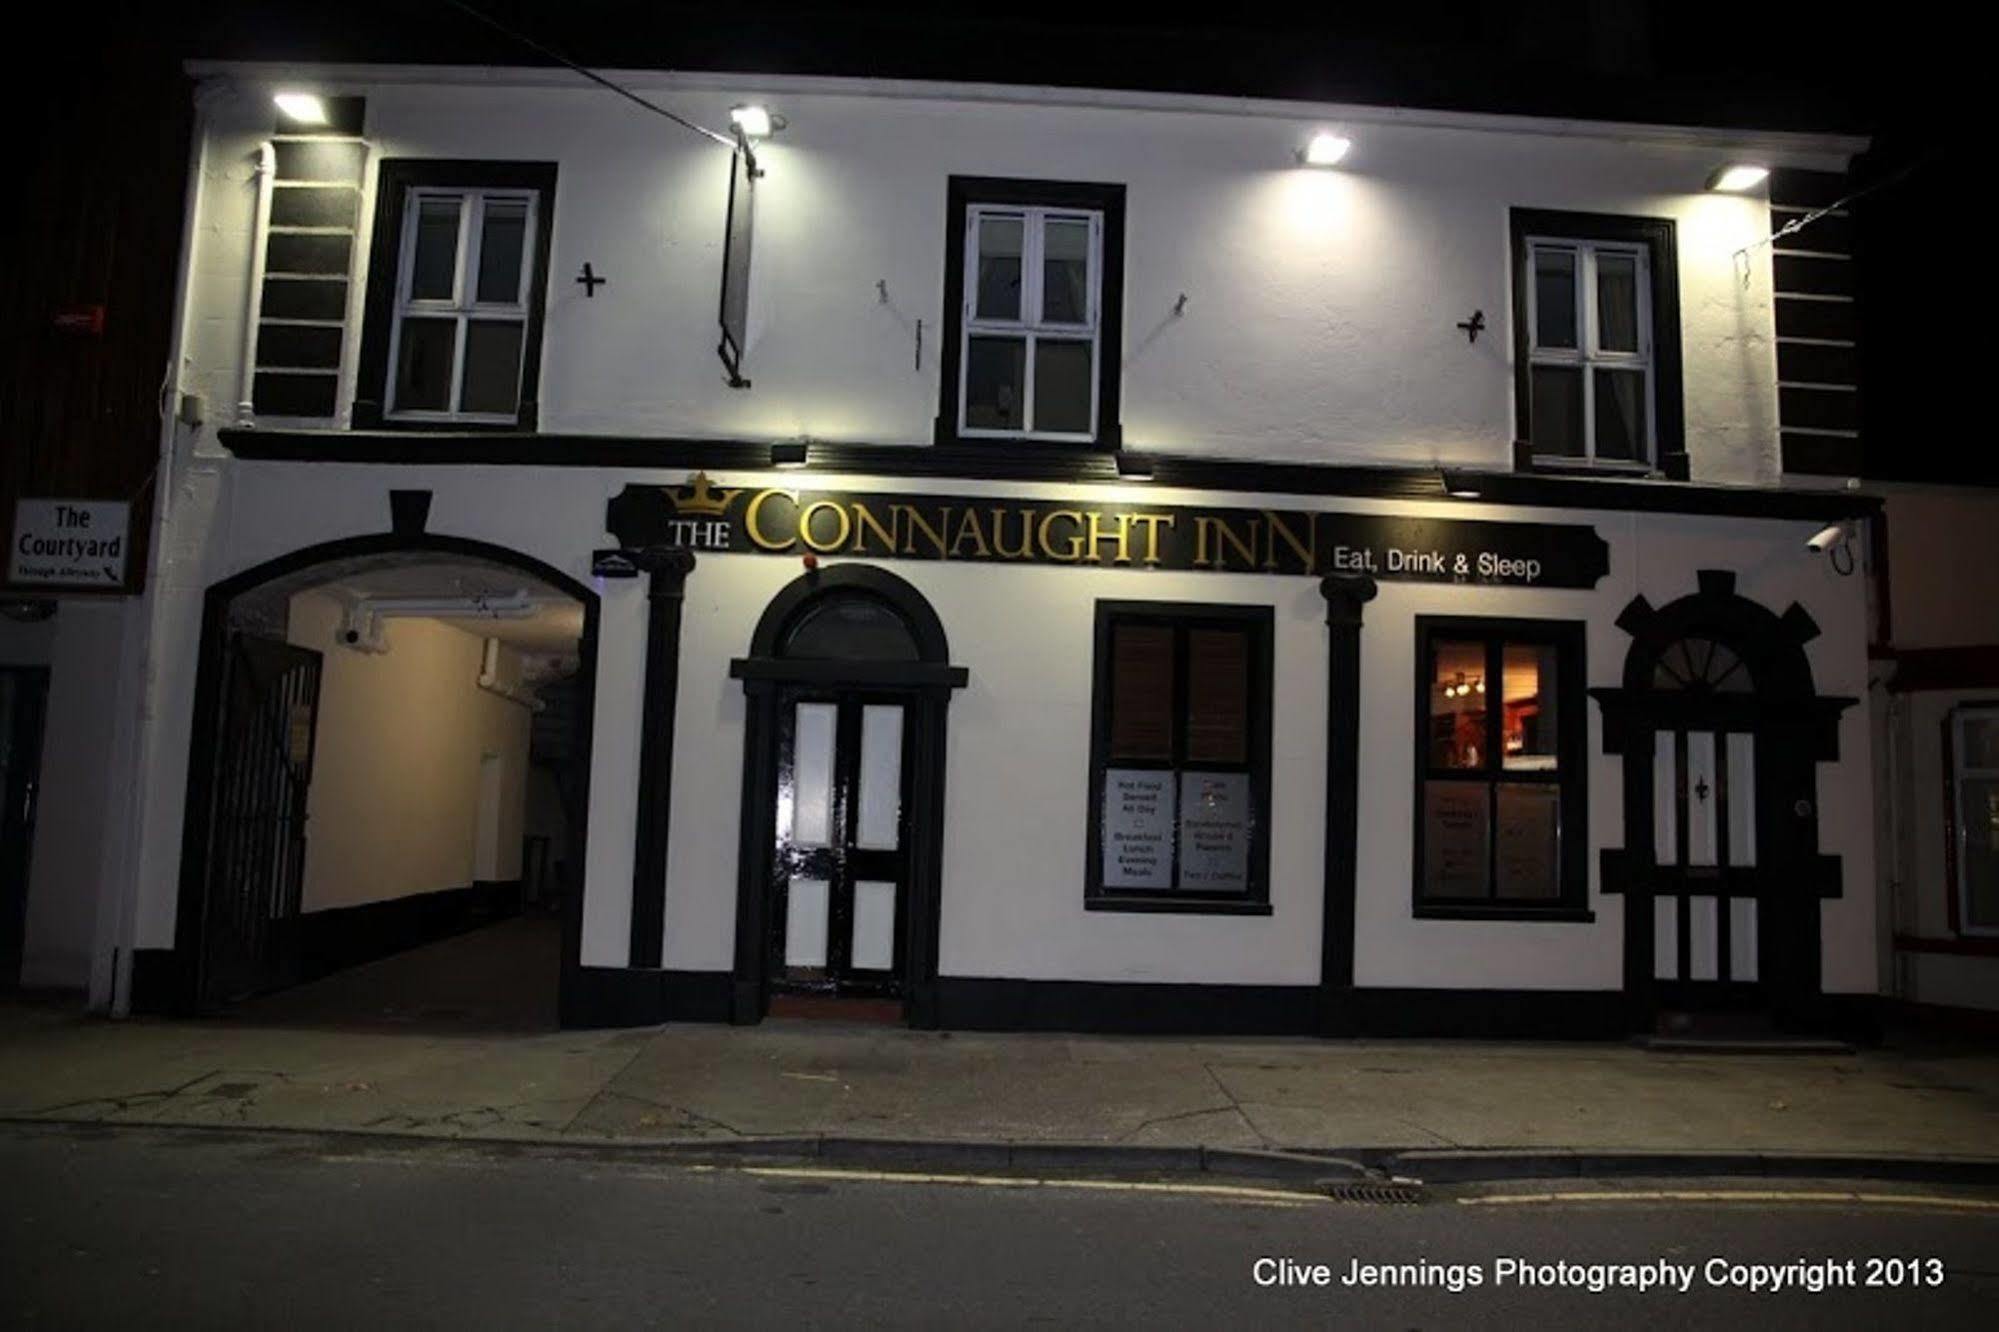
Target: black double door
(839,907)
(24,692)
(256,833)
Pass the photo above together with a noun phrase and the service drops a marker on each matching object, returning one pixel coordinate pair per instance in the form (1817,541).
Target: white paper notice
(1214,831)
(1138,828)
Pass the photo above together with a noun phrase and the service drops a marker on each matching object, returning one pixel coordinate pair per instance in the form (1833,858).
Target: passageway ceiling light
(1737,177)
(1325,149)
(302,108)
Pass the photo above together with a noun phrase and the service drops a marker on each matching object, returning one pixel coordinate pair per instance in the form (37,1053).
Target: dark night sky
(1900,73)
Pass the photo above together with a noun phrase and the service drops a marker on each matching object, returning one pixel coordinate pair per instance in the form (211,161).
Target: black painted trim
(280,393)
(1258,621)
(349,936)
(666,593)
(396,178)
(316,206)
(299,346)
(321,160)
(625,997)
(929,685)
(178,980)
(1571,778)
(305,298)
(1004,1004)
(1346,597)
(964,191)
(313,253)
(1660,237)
(1071,466)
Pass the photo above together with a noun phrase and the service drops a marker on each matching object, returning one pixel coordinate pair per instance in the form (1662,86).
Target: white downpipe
(489,680)
(253,307)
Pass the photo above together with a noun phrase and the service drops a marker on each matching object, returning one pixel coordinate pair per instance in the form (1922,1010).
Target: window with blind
(1180,758)
(1500,756)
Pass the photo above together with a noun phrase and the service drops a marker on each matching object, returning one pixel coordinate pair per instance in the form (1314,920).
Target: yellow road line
(1235,1192)
(1741,1195)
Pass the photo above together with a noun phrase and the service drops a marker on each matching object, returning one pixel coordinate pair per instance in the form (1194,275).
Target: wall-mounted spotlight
(788,453)
(755,121)
(1133,466)
(1826,538)
(1736,177)
(1459,485)
(1325,149)
(302,108)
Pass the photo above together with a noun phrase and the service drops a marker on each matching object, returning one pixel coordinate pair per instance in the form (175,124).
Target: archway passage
(849,682)
(387,792)
(1721,730)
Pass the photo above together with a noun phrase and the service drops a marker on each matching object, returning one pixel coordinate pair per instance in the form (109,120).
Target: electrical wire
(589,74)
(1798,224)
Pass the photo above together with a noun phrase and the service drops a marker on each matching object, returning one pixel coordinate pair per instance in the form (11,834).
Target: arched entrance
(849,684)
(1721,730)
(246,923)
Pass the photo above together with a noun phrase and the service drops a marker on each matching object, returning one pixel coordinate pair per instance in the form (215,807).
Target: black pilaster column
(1345,594)
(667,570)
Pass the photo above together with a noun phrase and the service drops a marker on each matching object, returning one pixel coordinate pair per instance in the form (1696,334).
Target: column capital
(1345,594)
(668,567)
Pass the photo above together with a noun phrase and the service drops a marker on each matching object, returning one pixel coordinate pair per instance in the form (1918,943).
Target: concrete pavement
(720,1085)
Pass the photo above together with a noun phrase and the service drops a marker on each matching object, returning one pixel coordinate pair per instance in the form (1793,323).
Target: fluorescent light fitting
(302,108)
(1326,149)
(1737,177)
(755,121)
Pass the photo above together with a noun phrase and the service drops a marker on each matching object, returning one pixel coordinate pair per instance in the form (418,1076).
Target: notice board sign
(69,543)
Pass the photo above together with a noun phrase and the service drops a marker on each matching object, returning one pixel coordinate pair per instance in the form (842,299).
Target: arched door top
(852,623)
(1715,639)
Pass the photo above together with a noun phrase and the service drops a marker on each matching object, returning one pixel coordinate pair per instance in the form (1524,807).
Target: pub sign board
(69,543)
(702,516)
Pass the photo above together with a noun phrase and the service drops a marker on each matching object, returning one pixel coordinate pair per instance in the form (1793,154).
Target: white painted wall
(393,809)
(77,819)
(1321,305)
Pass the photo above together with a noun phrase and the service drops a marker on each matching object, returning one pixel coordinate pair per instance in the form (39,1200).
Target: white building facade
(1073,595)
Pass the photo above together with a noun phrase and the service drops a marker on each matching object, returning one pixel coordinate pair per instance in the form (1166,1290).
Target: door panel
(256,863)
(841,868)
(1705,910)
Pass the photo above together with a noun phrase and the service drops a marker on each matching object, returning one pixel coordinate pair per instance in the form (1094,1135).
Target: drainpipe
(489,680)
(253,306)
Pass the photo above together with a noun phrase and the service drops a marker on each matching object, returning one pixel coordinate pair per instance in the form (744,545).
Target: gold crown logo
(702,498)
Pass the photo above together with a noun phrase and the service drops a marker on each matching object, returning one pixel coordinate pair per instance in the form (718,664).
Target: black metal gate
(256,835)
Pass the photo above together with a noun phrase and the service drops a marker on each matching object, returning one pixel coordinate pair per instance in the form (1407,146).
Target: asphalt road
(123,1228)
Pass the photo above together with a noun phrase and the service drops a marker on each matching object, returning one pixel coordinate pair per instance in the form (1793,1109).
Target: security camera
(1826,538)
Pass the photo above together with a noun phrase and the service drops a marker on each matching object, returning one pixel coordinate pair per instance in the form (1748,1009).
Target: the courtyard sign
(68,543)
(702,517)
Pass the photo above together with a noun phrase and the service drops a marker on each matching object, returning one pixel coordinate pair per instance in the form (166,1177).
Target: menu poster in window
(1455,818)
(1138,828)
(1528,841)
(1214,831)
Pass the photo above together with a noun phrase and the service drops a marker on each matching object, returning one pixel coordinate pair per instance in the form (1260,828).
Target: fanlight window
(1702,664)
(850,626)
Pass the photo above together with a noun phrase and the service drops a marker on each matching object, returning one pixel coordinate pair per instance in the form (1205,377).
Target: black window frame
(1571,776)
(1659,237)
(395,179)
(1260,622)
(963,192)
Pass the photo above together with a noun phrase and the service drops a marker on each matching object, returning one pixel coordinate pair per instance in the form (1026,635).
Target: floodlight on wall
(1325,149)
(755,121)
(788,453)
(1736,177)
(1133,466)
(1459,485)
(302,108)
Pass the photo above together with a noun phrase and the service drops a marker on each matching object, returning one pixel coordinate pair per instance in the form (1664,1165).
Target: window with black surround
(1180,759)
(1501,748)
(1034,294)
(457,286)
(1596,342)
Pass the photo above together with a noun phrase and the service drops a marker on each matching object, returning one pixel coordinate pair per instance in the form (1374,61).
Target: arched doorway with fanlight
(849,682)
(1721,730)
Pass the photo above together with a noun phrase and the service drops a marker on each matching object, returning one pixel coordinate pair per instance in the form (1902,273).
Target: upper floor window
(1033,299)
(455,295)
(1596,341)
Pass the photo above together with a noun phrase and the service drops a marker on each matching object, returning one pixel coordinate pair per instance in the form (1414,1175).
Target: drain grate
(1375,1192)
